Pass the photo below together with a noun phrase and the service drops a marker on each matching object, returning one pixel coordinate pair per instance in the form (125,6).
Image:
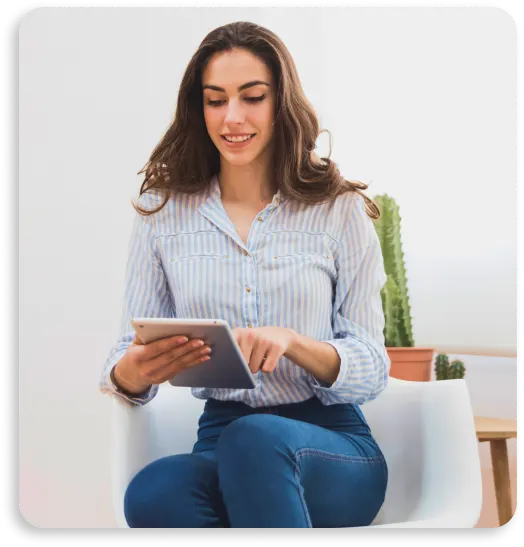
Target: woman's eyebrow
(241,88)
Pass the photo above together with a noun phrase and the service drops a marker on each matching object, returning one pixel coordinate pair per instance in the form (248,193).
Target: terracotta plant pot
(413,364)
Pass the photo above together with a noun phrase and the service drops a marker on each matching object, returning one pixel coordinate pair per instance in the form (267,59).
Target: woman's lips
(240,144)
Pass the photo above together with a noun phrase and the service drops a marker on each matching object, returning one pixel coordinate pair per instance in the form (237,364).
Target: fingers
(259,352)
(155,349)
(171,363)
(246,342)
(272,357)
(185,361)
(178,352)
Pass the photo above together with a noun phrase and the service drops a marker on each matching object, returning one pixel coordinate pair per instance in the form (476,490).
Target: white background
(419,101)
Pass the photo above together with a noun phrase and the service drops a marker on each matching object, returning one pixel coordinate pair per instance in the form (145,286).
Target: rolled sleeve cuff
(325,387)
(107,387)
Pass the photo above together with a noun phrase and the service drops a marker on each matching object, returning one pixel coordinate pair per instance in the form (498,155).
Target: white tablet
(227,367)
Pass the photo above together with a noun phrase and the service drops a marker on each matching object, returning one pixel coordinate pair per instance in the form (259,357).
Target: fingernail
(180,341)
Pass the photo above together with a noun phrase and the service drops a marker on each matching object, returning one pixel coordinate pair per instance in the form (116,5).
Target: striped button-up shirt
(317,269)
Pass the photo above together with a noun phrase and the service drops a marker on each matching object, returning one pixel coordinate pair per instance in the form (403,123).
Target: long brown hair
(186,158)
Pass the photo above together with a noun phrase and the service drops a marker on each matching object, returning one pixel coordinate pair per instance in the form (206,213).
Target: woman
(237,219)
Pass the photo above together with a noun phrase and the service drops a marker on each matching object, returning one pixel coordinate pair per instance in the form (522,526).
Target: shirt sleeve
(146,294)
(358,317)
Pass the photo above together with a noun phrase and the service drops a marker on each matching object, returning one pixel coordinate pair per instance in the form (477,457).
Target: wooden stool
(497,431)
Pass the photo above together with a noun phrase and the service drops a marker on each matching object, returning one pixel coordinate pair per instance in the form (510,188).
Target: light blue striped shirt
(317,269)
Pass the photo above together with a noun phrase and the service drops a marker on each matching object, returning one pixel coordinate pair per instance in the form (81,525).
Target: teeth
(238,139)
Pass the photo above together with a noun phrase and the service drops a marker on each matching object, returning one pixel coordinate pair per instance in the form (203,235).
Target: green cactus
(395,299)
(445,371)
(456,370)
(442,367)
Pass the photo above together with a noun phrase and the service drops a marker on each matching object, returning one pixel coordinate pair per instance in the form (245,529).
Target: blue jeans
(299,465)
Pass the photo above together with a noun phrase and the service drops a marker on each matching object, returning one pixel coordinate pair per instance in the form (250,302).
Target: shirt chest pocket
(295,246)
(298,253)
(198,246)
(198,267)
(299,273)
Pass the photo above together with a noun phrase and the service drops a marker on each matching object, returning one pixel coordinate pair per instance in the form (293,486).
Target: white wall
(413,107)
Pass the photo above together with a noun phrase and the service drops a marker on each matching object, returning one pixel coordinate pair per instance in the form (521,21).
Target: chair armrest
(164,426)
(131,429)
(452,475)
(448,475)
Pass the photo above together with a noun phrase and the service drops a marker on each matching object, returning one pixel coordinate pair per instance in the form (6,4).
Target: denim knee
(250,439)
(161,495)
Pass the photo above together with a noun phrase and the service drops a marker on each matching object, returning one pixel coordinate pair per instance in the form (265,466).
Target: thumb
(138,341)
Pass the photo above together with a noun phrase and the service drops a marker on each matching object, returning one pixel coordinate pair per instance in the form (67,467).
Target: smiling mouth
(240,141)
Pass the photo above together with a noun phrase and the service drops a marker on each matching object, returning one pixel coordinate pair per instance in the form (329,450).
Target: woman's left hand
(263,346)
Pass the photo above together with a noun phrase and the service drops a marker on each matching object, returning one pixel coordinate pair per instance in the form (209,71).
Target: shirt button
(248,289)
(250,326)
(260,219)
(246,253)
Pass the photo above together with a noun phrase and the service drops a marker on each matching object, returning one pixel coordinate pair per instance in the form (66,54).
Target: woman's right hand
(145,364)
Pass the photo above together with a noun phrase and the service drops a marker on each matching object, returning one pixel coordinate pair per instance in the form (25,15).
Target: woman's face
(239,107)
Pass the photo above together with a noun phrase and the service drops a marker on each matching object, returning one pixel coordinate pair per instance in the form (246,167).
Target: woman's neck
(245,185)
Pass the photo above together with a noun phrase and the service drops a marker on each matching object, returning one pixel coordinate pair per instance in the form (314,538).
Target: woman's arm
(146,294)
(358,318)
(318,358)
(353,366)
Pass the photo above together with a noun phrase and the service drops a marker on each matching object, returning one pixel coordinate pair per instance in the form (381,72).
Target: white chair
(425,429)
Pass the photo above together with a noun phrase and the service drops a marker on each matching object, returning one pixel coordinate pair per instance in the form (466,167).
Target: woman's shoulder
(346,204)
(179,209)
(151,199)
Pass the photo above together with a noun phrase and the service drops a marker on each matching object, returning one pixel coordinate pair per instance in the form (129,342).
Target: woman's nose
(234,113)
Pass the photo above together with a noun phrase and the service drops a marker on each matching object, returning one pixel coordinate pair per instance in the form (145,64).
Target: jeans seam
(340,457)
(301,491)
(327,456)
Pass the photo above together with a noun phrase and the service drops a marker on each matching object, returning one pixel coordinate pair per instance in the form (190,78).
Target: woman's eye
(248,99)
(256,99)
